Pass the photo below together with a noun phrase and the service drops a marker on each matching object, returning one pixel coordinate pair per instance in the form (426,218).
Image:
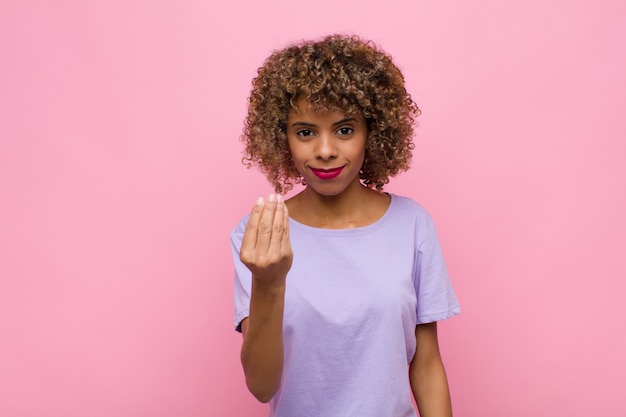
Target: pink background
(120,180)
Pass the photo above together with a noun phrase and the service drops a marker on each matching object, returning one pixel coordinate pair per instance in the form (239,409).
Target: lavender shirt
(353,299)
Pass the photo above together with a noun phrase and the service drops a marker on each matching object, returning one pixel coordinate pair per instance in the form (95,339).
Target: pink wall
(120,180)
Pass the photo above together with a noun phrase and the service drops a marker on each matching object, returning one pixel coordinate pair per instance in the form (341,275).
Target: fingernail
(259,201)
(271,198)
(279,198)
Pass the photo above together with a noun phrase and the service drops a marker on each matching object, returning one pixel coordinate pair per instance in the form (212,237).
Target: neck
(355,207)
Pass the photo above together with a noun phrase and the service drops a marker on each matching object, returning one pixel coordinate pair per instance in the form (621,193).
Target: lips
(327,174)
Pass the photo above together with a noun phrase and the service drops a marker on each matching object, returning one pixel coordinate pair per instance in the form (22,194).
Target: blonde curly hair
(341,73)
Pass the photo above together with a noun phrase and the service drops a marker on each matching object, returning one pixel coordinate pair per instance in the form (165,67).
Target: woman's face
(328,148)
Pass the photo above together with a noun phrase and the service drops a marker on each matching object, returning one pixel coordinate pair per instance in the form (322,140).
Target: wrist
(275,287)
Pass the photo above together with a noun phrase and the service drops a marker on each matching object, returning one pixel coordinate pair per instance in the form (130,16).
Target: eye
(304,133)
(344,131)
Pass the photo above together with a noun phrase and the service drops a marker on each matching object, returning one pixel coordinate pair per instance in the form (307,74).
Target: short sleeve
(436,299)
(243,277)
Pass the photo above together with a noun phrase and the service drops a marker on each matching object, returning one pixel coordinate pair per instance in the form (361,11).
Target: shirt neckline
(352,231)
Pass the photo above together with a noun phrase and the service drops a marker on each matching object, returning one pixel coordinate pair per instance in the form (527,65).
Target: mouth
(327,174)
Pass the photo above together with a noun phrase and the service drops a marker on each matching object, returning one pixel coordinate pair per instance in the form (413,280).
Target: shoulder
(406,206)
(408,216)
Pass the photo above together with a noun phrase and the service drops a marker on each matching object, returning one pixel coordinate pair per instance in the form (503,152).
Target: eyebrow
(306,124)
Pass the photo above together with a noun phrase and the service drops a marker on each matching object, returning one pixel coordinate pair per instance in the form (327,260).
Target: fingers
(285,242)
(265,248)
(278,226)
(268,226)
(265,226)
(250,235)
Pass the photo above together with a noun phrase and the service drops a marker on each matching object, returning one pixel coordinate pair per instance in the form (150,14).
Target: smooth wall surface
(120,178)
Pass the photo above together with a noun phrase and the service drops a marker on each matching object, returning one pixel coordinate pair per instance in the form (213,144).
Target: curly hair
(341,73)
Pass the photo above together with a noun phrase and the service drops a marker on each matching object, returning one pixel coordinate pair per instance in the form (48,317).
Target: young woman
(338,290)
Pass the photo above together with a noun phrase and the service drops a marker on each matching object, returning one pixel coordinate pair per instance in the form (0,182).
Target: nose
(326,148)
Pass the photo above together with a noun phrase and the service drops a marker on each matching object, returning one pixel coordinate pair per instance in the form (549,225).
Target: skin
(427,374)
(266,251)
(326,140)
(331,140)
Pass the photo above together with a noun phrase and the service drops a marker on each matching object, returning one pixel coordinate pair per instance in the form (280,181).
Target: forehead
(307,108)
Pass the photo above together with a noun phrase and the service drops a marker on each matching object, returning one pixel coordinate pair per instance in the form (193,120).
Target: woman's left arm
(428,375)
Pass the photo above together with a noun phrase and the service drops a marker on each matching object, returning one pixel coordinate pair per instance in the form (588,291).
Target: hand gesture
(265,248)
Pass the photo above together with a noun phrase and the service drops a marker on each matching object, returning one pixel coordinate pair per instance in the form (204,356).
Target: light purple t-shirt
(352,301)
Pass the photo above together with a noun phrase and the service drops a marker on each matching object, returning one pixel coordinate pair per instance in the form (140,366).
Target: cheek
(292,155)
(361,152)
(295,160)
(297,151)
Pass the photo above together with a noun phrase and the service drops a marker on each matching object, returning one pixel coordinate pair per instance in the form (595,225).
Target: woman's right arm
(266,251)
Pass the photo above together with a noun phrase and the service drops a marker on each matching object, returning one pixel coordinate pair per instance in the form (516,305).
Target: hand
(266,249)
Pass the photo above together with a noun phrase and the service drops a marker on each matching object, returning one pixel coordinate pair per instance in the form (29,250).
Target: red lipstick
(327,174)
